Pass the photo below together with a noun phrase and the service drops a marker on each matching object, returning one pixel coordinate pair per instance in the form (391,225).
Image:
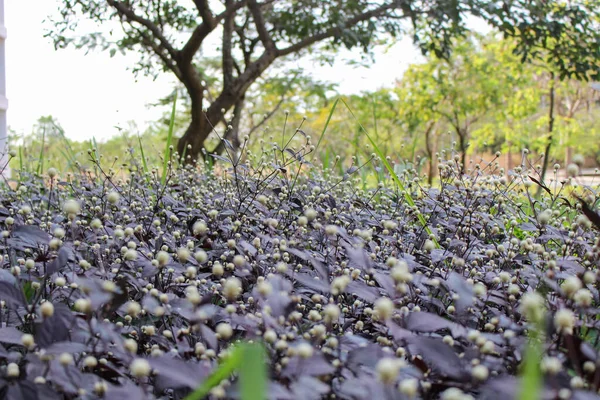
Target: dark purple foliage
(137,291)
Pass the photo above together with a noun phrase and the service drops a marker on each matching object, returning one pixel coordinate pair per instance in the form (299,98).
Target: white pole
(3,100)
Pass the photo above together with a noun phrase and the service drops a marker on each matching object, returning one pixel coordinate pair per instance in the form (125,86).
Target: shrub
(130,288)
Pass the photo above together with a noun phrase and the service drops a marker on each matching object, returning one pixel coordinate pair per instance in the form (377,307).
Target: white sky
(91,94)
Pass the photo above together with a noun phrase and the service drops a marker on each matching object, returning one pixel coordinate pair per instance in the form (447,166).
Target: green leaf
(227,367)
(253,372)
(326,124)
(531,381)
(29,291)
(40,166)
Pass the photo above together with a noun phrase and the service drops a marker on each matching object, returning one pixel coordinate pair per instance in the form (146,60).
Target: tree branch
(131,16)
(159,52)
(227,57)
(335,30)
(204,10)
(206,27)
(259,22)
(267,116)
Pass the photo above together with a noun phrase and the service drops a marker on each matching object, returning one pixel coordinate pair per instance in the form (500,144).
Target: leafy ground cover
(140,287)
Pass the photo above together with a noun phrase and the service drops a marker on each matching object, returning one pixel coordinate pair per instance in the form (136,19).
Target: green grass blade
(221,372)
(408,198)
(144,163)
(20,163)
(167,155)
(67,158)
(71,154)
(532,380)
(253,372)
(40,166)
(326,125)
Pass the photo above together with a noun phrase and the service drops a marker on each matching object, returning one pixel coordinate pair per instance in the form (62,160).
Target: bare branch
(267,116)
(124,11)
(205,28)
(146,40)
(195,41)
(205,11)
(308,41)
(261,28)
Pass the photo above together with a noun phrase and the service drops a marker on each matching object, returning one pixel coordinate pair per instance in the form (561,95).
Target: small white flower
(455,394)
(239,261)
(571,285)
(224,331)
(201,256)
(304,350)
(384,307)
(183,254)
(388,369)
(131,255)
(139,368)
(130,345)
(65,359)
(480,372)
(232,288)
(12,370)
(331,230)
(113,197)
(199,228)
(573,170)
(544,217)
(583,298)
(27,341)
(551,365)
(564,321)
(217,269)
(90,362)
(409,387)
(47,309)
(163,258)
(532,306)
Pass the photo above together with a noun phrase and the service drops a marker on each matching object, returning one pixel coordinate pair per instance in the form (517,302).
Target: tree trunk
(192,141)
(203,123)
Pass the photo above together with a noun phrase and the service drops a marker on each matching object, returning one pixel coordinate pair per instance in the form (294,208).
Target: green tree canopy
(250,35)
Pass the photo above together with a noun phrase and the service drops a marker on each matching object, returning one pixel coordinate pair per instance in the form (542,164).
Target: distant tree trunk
(509,159)
(462,142)
(550,132)
(203,123)
(192,140)
(568,155)
(232,135)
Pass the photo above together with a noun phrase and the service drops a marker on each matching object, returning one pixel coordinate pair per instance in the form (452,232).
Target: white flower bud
(139,368)
(12,370)
(480,372)
(384,307)
(388,369)
(47,309)
(224,331)
(564,321)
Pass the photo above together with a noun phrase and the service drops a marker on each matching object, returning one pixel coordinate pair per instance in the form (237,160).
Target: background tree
(176,36)
(460,90)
